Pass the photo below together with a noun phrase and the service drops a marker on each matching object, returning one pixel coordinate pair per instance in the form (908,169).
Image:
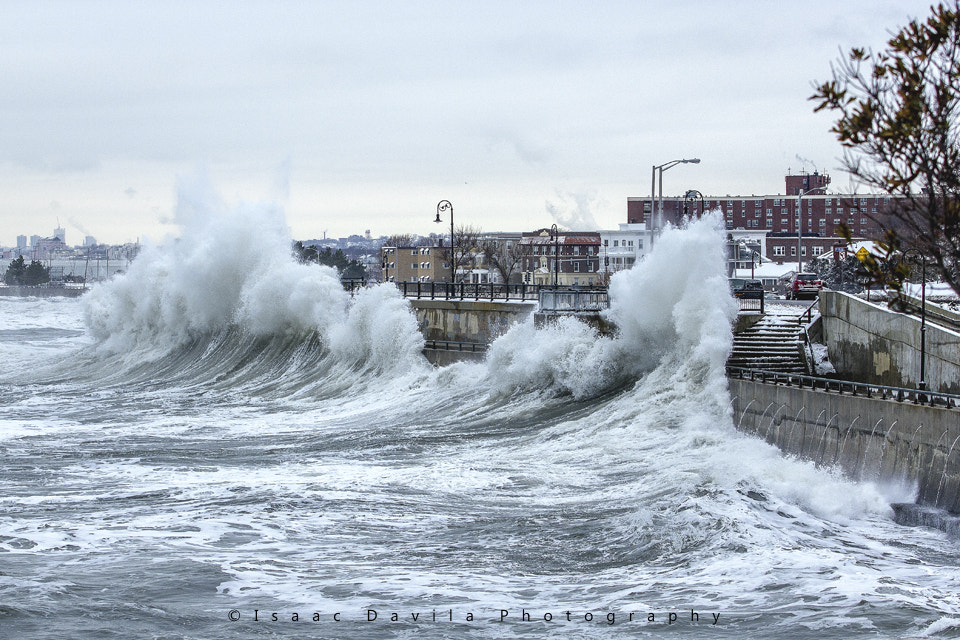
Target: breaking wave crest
(679,318)
(230,284)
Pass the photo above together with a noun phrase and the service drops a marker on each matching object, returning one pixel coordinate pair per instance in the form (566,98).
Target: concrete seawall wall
(868,438)
(41,292)
(870,343)
(468,321)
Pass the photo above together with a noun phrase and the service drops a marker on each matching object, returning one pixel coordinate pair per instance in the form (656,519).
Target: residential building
(413,264)
(567,258)
(806,217)
(620,249)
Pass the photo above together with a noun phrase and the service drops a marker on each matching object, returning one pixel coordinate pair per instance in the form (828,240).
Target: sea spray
(675,303)
(233,269)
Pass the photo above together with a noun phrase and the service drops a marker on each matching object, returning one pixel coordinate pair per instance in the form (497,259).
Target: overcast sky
(363,115)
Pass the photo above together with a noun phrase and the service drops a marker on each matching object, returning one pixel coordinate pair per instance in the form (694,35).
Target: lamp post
(693,194)
(923,315)
(555,234)
(443,205)
(654,183)
(800,226)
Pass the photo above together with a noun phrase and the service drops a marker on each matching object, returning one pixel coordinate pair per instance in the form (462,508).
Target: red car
(804,285)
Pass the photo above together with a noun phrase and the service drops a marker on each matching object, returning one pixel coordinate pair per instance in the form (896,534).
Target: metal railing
(808,312)
(485,291)
(449,345)
(842,387)
(573,300)
(465,291)
(751,301)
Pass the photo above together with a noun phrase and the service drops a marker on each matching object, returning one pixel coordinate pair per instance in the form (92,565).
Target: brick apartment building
(572,258)
(818,215)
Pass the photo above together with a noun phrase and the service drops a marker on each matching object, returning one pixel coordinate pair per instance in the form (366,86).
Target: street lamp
(692,194)
(800,226)
(923,315)
(654,183)
(443,205)
(555,234)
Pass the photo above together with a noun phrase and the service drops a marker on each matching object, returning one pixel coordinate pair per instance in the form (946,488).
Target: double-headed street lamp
(692,195)
(923,314)
(654,183)
(443,205)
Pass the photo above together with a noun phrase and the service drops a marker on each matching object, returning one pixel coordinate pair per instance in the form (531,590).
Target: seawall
(468,320)
(870,343)
(41,292)
(870,439)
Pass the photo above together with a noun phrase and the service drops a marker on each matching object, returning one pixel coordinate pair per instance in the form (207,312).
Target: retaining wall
(468,321)
(870,343)
(869,438)
(42,292)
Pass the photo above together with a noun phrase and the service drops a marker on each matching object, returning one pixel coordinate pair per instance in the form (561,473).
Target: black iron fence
(473,291)
(750,300)
(846,387)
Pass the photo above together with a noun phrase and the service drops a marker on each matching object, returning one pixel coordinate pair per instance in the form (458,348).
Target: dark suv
(749,289)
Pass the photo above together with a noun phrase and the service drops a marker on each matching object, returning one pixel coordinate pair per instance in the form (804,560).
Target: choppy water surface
(203,441)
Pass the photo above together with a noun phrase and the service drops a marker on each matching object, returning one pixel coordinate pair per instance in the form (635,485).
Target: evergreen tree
(36,274)
(15,271)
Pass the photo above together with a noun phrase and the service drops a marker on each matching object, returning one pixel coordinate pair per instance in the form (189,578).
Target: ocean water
(223,444)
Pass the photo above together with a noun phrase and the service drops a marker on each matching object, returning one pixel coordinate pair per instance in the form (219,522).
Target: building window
(817,251)
(793,251)
(778,250)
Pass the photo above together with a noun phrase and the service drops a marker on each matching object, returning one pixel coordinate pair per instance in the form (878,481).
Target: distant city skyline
(367,114)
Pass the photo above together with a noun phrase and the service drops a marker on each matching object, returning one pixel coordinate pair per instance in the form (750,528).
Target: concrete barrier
(41,292)
(868,438)
(870,343)
(468,321)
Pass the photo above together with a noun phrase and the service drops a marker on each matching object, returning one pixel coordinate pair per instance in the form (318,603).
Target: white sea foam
(232,267)
(253,464)
(661,311)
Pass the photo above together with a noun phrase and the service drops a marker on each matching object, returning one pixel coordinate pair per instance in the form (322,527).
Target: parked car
(804,285)
(749,289)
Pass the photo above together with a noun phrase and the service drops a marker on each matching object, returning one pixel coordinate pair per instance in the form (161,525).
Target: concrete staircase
(773,343)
